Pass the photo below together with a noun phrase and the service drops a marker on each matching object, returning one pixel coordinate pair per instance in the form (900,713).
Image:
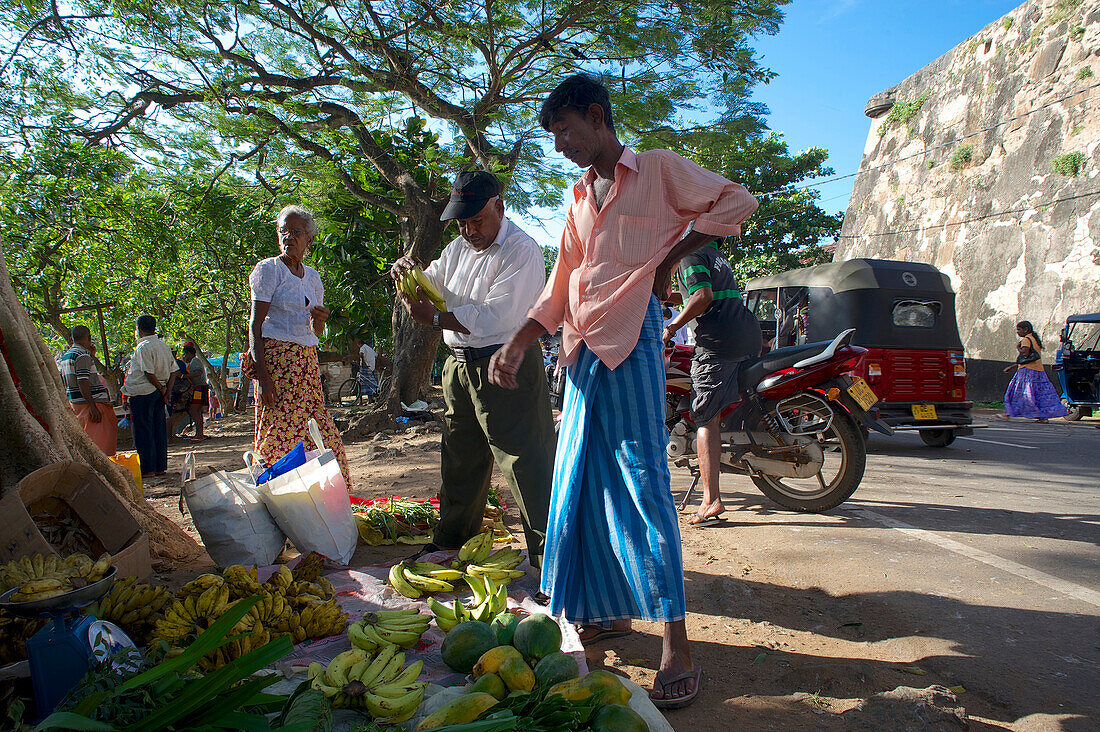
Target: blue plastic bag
(296,458)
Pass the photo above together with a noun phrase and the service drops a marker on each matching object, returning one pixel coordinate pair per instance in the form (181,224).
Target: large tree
(39,428)
(331,76)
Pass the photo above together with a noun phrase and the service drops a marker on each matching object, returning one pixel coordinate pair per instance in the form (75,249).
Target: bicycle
(351,394)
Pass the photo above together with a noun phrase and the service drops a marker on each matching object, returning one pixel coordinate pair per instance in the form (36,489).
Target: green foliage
(1085,72)
(961,157)
(171,695)
(786,230)
(1076,31)
(1007,22)
(902,112)
(1069,164)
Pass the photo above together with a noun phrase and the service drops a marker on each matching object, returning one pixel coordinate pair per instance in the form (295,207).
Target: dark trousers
(483,423)
(150,430)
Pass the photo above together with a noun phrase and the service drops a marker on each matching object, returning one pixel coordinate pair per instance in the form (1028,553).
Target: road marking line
(1006,444)
(1042,578)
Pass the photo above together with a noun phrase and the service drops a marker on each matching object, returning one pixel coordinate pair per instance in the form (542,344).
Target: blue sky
(830,57)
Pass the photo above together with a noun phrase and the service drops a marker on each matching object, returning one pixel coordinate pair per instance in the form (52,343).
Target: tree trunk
(415,345)
(39,428)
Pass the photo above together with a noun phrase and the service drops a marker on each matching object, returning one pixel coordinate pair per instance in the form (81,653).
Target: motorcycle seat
(755,370)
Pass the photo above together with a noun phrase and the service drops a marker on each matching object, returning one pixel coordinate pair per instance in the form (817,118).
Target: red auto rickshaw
(904,315)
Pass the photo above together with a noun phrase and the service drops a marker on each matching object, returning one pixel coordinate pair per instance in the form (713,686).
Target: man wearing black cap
(489,277)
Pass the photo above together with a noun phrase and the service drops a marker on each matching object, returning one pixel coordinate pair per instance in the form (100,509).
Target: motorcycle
(800,418)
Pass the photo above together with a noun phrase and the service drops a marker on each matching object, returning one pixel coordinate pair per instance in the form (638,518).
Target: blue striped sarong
(613,540)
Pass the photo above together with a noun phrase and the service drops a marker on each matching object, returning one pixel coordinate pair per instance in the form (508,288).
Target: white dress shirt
(151,355)
(489,291)
(291,299)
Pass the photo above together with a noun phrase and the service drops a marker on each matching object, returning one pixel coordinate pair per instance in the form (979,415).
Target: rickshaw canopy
(891,304)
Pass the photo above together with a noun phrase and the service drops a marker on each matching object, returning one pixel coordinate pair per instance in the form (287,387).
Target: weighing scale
(59,653)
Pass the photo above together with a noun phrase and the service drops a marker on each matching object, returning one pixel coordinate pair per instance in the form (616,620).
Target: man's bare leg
(675,660)
(710,457)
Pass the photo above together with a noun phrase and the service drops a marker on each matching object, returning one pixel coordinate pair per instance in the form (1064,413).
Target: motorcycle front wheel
(845,460)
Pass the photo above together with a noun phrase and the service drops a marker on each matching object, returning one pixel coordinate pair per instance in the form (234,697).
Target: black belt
(468,355)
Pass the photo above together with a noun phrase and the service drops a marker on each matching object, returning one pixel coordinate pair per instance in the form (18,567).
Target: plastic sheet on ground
(363,590)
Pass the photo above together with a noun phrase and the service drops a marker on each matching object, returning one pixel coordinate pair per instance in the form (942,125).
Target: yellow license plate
(862,394)
(924,411)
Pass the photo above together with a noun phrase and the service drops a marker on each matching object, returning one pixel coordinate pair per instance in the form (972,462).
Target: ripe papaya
(517,675)
(461,710)
(596,682)
(490,661)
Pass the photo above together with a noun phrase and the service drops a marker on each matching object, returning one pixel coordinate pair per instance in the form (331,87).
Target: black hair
(80,332)
(578,92)
(147,324)
(1029,331)
(190,349)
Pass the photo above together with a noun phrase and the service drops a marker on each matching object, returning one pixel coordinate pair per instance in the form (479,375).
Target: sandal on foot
(676,702)
(597,632)
(699,521)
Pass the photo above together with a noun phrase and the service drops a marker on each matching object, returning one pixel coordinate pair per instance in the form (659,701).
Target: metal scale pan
(72,600)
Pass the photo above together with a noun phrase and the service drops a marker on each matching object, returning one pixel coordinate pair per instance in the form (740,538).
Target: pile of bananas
(41,577)
(411,279)
(379,683)
(14,632)
(133,607)
(401,628)
(414,579)
(490,599)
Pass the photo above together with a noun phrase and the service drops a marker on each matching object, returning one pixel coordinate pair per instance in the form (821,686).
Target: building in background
(985,163)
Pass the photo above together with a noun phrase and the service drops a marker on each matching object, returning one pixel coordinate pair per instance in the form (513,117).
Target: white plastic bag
(312,506)
(235,525)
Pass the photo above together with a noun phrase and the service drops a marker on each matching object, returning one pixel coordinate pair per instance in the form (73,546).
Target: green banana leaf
(307,710)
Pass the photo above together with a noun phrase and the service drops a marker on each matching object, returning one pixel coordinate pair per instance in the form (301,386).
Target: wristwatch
(435,321)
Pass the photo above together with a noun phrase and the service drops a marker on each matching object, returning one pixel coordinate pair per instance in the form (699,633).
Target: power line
(970,220)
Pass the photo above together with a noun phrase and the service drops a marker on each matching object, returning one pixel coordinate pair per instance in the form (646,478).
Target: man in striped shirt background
(87,395)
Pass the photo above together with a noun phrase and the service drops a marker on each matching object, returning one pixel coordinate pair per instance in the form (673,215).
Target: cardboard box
(50,490)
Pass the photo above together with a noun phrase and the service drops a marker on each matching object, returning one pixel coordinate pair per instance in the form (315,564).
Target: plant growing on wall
(962,157)
(1069,164)
(902,111)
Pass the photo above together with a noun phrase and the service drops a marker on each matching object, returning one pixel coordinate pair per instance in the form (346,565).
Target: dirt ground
(756,634)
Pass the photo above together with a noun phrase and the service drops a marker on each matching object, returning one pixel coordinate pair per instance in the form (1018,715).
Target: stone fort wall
(986,164)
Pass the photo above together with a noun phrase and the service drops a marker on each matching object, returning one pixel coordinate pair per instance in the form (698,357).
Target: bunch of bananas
(476,549)
(131,606)
(309,569)
(302,594)
(235,648)
(414,579)
(272,612)
(499,566)
(14,632)
(41,577)
(490,599)
(317,621)
(192,613)
(411,279)
(282,579)
(401,628)
(242,581)
(379,683)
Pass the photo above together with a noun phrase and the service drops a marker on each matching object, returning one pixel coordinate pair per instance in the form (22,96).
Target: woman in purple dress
(1030,394)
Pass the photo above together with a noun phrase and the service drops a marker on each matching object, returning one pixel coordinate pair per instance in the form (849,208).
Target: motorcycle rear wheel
(815,495)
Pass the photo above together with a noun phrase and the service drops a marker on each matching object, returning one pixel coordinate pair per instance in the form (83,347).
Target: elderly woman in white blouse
(288,315)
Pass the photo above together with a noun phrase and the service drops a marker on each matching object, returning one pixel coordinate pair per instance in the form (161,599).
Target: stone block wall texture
(972,170)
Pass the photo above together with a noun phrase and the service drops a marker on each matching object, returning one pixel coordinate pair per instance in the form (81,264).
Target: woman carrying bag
(288,315)
(1030,394)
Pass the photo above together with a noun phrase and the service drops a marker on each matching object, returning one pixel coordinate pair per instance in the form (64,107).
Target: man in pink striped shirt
(613,543)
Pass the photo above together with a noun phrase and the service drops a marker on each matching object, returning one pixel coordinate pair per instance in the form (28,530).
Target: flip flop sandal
(598,632)
(699,522)
(679,701)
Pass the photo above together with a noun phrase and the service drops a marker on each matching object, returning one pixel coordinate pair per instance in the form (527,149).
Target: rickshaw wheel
(808,495)
(938,438)
(1074,412)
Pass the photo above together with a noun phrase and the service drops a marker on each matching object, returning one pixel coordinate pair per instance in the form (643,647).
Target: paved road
(987,551)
